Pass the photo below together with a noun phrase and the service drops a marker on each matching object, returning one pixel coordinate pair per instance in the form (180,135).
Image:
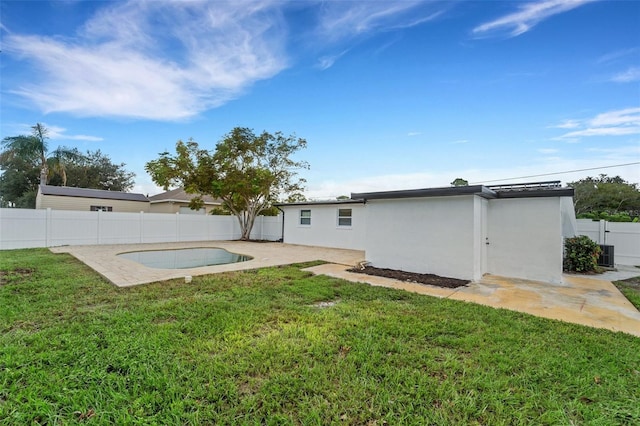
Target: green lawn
(631,289)
(251,348)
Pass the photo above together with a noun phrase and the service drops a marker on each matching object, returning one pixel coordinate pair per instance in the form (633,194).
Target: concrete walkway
(587,301)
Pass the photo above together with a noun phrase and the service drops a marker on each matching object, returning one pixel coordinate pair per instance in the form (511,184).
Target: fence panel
(624,236)
(22,228)
(27,228)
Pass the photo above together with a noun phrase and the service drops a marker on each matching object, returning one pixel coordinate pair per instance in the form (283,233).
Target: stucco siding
(425,235)
(324,230)
(525,238)
(57,202)
(174,207)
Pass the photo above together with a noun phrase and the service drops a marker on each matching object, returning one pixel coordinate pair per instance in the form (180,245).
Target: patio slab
(580,300)
(125,273)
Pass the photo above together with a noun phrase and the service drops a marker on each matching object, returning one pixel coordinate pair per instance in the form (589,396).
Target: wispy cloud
(345,19)
(630,75)
(326,62)
(567,124)
(612,123)
(461,141)
(341,23)
(56,132)
(414,134)
(613,56)
(547,150)
(119,66)
(528,16)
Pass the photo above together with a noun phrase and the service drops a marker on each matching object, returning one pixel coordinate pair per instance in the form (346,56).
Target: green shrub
(581,254)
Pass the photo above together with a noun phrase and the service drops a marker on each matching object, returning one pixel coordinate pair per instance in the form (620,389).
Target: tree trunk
(43,175)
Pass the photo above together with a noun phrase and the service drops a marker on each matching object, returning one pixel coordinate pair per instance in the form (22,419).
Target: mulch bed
(412,277)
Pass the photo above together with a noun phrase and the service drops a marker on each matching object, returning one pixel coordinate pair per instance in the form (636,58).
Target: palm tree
(35,146)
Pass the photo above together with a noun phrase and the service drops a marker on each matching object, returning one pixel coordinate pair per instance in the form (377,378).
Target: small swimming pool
(184,258)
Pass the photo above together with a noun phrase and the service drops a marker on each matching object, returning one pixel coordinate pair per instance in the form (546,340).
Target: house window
(101,208)
(305,217)
(344,217)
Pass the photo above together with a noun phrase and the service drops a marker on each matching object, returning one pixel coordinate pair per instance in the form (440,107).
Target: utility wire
(556,173)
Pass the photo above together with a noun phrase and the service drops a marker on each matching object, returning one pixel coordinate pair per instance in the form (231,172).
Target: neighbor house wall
(324,230)
(57,202)
(425,235)
(525,238)
(174,207)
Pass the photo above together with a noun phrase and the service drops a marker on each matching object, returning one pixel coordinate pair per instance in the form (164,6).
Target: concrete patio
(588,300)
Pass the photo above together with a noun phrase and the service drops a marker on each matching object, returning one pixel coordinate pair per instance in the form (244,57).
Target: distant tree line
(26,162)
(605,197)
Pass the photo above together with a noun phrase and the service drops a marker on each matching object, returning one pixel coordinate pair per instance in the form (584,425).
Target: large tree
(25,163)
(94,169)
(604,194)
(36,147)
(246,171)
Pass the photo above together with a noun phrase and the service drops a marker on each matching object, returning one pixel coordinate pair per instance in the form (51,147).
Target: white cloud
(56,132)
(344,19)
(612,123)
(613,56)
(630,75)
(414,134)
(119,65)
(621,117)
(461,141)
(527,17)
(326,62)
(547,150)
(567,124)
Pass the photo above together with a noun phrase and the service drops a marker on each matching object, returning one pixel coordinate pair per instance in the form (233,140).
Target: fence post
(47,228)
(177,226)
(601,232)
(99,217)
(141,227)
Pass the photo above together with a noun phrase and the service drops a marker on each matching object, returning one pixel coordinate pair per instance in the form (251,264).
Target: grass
(253,348)
(631,289)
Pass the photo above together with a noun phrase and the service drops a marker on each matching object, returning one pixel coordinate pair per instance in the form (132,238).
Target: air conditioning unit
(606,256)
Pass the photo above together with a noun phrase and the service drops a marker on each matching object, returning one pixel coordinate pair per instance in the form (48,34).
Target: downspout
(282,237)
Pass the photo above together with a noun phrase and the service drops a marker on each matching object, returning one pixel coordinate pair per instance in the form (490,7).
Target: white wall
(324,230)
(424,235)
(525,238)
(26,228)
(624,236)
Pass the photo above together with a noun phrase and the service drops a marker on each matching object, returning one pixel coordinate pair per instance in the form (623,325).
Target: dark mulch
(413,277)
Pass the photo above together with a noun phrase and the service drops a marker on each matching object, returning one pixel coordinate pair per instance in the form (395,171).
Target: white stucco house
(460,232)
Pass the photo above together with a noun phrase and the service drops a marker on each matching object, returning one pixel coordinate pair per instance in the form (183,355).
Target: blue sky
(389,95)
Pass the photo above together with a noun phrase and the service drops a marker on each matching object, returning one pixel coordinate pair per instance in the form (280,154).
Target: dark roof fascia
(169,200)
(67,191)
(319,203)
(562,192)
(480,190)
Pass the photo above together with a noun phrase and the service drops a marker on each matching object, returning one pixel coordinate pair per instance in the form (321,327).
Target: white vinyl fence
(623,236)
(26,228)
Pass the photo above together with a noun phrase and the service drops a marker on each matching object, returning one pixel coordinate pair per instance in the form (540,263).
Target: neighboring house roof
(179,195)
(67,191)
(522,190)
(319,203)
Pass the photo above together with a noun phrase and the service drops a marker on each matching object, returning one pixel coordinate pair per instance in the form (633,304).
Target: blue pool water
(184,258)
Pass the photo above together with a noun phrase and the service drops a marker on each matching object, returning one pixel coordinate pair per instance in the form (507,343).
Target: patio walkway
(580,300)
(125,273)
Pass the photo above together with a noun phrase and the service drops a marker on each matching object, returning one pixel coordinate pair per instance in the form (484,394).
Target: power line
(556,173)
